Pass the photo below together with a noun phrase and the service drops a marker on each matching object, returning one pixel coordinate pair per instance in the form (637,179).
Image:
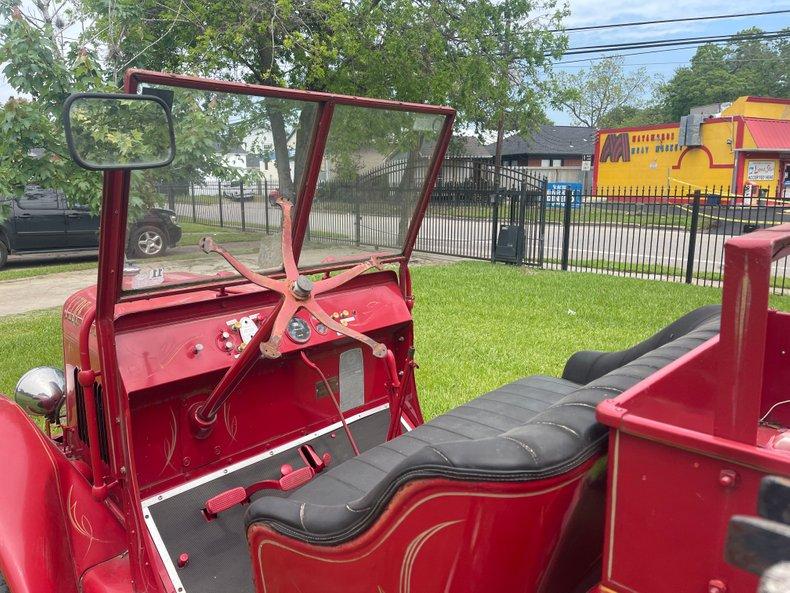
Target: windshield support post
(431,175)
(304,202)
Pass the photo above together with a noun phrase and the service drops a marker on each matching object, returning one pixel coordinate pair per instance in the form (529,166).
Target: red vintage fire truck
(248,421)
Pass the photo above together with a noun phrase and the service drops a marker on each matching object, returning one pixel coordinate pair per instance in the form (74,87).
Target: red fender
(51,529)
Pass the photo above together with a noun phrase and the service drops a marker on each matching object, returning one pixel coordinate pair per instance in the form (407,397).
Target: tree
(32,145)
(605,88)
(719,73)
(468,54)
(44,69)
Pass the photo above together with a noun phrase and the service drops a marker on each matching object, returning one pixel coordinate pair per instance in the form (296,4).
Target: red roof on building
(770,134)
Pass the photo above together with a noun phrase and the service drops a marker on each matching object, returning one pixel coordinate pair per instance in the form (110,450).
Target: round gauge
(320,328)
(298,330)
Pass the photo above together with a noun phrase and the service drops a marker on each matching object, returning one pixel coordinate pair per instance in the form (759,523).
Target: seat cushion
(532,429)
(488,415)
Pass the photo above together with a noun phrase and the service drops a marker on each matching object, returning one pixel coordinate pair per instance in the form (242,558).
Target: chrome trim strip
(613,510)
(162,549)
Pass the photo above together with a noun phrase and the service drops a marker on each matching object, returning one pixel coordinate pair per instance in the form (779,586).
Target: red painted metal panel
(688,450)
(456,537)
(48,509)
(668,518)
(113,576)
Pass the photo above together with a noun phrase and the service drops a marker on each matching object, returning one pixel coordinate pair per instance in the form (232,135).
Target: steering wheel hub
(302,288)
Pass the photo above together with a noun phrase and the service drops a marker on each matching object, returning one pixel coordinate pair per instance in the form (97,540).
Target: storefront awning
(770,134)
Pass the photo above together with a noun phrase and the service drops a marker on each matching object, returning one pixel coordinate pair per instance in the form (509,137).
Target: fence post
(494,222)
(241,202)
(357,220)
(544,189)
(566,228)
(219,196)
(693,236)
(266,202)
(194,210)
(171,198)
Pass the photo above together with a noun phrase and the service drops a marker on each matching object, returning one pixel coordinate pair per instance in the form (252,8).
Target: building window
(545,163)
(556,162)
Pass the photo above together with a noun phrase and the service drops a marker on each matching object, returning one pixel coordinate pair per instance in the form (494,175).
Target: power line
(581,63)
(677,41)
(591,49)
(663,21)
(774,59)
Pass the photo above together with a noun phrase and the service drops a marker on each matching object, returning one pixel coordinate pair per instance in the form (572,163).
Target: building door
(784,180)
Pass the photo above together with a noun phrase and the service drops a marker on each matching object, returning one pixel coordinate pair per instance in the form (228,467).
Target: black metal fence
(654,233)
(230,204)
(506,214)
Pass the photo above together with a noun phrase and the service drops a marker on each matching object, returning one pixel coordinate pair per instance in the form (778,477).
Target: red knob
(285,469)
(183,560)
(728,478)
(717,586)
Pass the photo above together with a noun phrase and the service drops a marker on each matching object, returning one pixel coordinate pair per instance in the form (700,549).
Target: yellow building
(744,150)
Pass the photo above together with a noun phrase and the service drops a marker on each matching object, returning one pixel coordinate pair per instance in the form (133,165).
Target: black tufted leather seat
(531,429)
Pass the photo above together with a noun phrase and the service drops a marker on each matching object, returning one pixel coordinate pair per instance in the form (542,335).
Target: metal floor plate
(219,560)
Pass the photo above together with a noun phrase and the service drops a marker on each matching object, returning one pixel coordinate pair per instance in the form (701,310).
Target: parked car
(42,221)
(237,192)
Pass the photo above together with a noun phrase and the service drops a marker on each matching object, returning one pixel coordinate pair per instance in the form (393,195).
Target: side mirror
(116,131)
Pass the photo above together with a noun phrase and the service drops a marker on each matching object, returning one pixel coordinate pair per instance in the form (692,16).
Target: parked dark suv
(42,222)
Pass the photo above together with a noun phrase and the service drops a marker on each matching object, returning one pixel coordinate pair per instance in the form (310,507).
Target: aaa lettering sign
(616,147)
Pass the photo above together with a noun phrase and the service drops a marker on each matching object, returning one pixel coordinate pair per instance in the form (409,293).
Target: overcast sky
(658,65)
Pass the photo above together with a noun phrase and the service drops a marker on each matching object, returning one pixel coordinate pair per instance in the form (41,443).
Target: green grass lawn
(14,272)
(478,326)
(192,233)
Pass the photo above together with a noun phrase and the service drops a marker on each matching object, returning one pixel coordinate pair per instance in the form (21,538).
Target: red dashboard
(173,351)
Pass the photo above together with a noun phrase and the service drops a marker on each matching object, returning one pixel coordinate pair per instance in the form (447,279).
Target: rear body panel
(455,537)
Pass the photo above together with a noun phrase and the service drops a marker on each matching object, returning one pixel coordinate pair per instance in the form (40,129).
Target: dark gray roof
(550,140)
(460,146)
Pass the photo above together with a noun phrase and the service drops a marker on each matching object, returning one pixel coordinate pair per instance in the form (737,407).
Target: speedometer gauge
(298,330)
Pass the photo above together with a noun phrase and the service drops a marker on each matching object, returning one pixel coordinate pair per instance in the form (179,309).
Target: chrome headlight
(41,391)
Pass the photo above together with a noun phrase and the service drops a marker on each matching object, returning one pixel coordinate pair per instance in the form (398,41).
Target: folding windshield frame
(117,182)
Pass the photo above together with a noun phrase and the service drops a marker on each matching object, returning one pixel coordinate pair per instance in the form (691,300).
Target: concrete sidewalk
(42,292)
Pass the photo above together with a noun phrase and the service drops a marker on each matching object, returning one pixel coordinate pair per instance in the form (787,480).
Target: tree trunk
(280,138)
(303,137)
(500,137)
(406,189)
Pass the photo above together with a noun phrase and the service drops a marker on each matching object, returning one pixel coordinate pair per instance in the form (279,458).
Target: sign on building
(761,171)
(586,162)
(555,194)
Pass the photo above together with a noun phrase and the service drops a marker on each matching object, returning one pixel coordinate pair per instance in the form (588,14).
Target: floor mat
(219,560)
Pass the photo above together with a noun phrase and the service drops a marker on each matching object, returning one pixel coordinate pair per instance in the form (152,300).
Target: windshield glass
(236,154)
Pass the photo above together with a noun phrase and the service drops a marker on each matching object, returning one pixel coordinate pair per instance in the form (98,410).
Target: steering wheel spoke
(289,261)
(208,245)
(328,284)
(379,349)
(271,347)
